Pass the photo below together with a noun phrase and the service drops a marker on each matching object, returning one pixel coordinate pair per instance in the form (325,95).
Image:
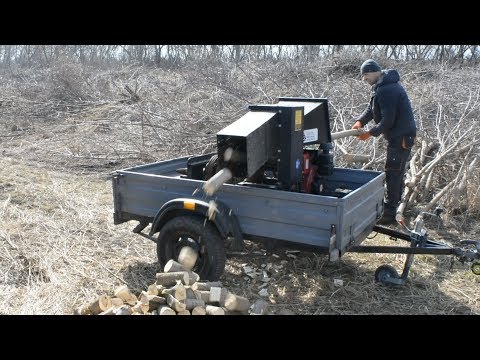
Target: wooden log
(117,302)
(102,303)
(152,289)
(155,301)
(191,294)
(187,257)
(199,310)
(214,310)
(353,158)
(175,304)
(217,295)
(236,303)
(165,310)
(184,312)
(190,304)
(173,266)
(170,278)
(193,277)
(203,295)
(123,310)
(205,285)
(109,311)
(346,133)
(178,292)
(82,310)
(124,293)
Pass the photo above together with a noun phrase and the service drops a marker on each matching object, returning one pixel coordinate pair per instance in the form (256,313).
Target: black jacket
(390,108)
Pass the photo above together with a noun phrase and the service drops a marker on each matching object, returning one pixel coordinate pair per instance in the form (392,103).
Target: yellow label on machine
(189,205)
(298,120)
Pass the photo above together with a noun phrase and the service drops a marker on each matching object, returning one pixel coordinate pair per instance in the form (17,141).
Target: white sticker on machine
(310,135)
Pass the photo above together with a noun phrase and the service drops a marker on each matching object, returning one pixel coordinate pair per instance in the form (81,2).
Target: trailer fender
(218,213)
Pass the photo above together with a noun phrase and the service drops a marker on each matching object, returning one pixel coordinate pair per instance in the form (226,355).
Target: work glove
(357,125)
(364,136)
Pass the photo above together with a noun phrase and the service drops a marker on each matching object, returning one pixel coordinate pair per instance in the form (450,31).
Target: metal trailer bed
(333,223)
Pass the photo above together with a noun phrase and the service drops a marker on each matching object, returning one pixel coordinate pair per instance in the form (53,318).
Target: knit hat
(369,65)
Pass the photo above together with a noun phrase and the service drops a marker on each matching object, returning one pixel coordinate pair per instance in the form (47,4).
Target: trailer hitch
(419,244)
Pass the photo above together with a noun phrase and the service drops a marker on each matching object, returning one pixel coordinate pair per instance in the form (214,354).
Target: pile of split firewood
(177,291)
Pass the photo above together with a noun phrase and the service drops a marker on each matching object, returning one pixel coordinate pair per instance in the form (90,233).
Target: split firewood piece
(190,304)
(214,310)
(143,304)
(353,158)
(170,278)
(123,310)
(155,301)
(117,302)
(191,294)
(236,303)
(204,295)
(193,277)
(124,293)
(178,292)
(173,266)
(102,303)
(109,311)
(205,285)
(199,310)
(175,304)
(184,312)
(165,310)
(187,257)
(82,310)
(218,295)
(152,289)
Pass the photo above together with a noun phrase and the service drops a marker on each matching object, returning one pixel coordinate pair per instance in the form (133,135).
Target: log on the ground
(214,310)
(123,310)
(178,292)
(204,295)
(236,303)
(125,294)
(199,310)
(170,278)
(205,285)
(217,295)
(193,303)
(155,301)
(102,303)
(166,310)
(184,312)
(175,304)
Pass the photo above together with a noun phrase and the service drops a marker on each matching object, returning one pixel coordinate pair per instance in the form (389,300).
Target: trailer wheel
(199,234)
(476,268)
(384,272)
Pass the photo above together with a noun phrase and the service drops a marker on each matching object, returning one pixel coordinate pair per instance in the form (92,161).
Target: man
(390,109)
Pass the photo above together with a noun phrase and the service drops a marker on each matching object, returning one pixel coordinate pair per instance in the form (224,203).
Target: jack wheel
(385,272)
(476,268)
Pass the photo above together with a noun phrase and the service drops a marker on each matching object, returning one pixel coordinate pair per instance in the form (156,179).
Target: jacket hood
(389,76)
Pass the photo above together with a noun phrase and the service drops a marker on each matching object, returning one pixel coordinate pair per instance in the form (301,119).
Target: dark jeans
(397,158)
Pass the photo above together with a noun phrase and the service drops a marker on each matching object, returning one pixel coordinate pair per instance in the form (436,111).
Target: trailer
(278,187)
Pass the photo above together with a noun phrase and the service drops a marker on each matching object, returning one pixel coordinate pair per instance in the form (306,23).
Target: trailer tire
(384,272)
(201,235)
